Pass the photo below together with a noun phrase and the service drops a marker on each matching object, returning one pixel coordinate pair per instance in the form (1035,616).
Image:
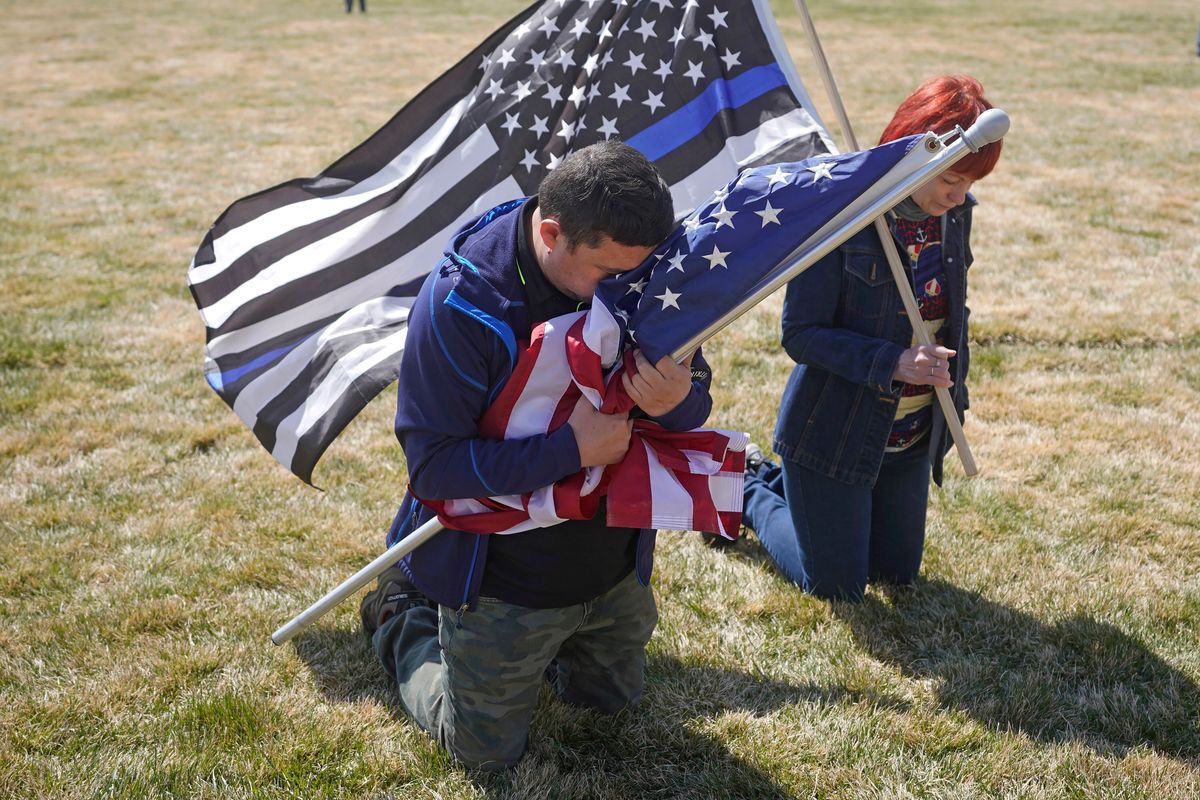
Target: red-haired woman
(858,428)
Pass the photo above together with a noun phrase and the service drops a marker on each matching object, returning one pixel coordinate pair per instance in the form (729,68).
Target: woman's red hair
(938,105)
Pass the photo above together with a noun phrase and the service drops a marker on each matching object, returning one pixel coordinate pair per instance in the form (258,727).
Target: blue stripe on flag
(219,380)
(685,124)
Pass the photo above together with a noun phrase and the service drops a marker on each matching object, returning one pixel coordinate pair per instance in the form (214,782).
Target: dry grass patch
(148,546)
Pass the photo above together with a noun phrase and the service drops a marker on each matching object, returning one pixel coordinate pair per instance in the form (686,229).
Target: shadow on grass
(658,749)
(344,666)
(1077,680)
(661,748)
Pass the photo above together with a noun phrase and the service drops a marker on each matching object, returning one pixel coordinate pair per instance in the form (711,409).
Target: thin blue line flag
(305,288)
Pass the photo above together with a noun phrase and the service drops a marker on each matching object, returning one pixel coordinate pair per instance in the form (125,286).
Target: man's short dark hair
(608,189)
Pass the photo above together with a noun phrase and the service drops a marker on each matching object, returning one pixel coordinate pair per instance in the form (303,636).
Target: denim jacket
(845,327)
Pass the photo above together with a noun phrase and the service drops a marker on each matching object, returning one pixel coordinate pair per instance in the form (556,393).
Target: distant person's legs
(816,529)
(899,502)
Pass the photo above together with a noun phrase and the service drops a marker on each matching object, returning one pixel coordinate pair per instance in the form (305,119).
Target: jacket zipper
(466,598)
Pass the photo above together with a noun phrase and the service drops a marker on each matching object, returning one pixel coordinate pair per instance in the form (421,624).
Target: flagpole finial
(989,127)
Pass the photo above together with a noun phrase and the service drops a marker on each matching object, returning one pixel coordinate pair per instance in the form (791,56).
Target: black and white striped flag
(305,288)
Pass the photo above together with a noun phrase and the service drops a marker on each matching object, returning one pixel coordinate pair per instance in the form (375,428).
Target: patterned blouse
(923,244)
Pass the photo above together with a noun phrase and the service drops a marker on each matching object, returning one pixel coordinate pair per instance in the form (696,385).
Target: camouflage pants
(473,683)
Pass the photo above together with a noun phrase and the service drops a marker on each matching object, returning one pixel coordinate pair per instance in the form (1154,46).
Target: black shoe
(716,541)
(393,594)
(550,674)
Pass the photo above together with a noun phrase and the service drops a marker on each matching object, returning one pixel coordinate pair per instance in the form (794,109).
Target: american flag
(745,234)
(305,288)
(688,480)
(742,237)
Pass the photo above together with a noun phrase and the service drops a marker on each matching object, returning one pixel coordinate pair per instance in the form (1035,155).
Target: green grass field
(148,545)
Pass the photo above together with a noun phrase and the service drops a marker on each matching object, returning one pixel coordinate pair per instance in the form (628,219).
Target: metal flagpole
(899,273)
(358,580)
(990,126)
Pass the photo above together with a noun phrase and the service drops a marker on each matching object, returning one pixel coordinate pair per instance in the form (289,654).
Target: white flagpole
(990,126)
(358,580)
(899,273)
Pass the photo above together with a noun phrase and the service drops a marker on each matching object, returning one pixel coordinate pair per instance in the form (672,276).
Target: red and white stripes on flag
(677,480)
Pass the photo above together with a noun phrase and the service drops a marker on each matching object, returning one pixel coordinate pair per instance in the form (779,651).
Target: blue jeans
(833,538)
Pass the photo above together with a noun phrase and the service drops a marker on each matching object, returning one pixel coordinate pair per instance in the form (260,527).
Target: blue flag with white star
(743,236)
(305,288)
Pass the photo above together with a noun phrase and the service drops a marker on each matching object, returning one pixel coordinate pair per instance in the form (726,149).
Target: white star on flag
(695,72)
(654,100)
(646,30)
(821,170)
(769,215)
(669,299)
(717,258)
(676,262)
(723,217)
(609,128)
(778,176)
(620,94)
